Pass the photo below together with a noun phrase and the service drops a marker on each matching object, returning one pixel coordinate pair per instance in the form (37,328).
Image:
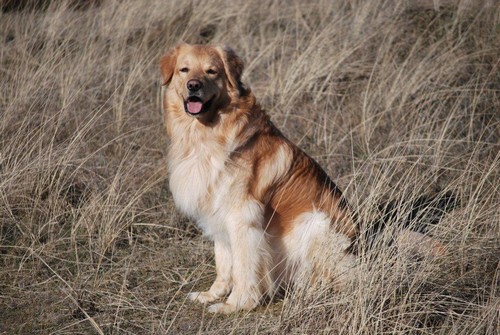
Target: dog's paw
(222,308)
(202,297)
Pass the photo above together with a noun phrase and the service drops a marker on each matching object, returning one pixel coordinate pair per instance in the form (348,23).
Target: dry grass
(393,99)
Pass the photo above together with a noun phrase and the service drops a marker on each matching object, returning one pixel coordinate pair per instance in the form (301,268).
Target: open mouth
(196,106)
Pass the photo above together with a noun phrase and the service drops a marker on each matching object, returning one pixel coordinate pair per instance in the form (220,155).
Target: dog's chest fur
(199,179)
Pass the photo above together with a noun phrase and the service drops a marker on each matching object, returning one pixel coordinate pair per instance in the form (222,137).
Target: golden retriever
(268,207)
(266,204)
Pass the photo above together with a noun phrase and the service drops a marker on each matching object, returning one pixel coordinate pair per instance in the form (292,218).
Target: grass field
(393,98)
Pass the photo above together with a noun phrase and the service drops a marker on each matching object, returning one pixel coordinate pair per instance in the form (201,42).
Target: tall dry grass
(394,99)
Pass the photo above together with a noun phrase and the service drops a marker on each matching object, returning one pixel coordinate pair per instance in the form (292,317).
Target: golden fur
(268,206)
(274,215)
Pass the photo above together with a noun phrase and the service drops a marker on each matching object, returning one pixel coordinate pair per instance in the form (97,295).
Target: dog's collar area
(195,106)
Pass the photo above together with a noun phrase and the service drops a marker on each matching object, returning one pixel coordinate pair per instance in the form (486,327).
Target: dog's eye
(184,69)
(211,71)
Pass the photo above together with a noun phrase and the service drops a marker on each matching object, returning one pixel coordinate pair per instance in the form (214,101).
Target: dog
(269,208)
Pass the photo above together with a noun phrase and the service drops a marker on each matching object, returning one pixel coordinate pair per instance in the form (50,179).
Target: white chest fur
(198,181)
(193,177)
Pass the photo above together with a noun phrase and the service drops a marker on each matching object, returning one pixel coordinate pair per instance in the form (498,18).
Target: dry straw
(394,98)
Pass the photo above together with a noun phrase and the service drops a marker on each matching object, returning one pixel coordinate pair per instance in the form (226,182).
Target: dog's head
(202,78)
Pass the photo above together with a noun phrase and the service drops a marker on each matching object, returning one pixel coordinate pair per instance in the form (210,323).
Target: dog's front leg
(222,283)
(251,277)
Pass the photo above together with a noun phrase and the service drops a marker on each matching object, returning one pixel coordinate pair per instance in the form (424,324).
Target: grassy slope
(392,100)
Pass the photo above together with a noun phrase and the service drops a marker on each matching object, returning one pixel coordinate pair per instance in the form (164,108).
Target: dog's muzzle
(194,105)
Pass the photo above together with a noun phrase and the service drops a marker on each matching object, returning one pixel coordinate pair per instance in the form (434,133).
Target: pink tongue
(194,107)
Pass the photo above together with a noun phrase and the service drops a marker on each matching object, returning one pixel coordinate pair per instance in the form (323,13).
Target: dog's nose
(194,85)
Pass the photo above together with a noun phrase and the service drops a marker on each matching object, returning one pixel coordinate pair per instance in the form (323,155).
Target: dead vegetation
(394,100)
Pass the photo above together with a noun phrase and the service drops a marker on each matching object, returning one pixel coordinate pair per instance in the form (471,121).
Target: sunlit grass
(393,99)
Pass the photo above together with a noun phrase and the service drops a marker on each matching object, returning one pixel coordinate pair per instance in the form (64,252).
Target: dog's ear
(167,65)
(233,67)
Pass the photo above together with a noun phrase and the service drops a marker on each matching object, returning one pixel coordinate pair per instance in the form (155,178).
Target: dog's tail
(409,221)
